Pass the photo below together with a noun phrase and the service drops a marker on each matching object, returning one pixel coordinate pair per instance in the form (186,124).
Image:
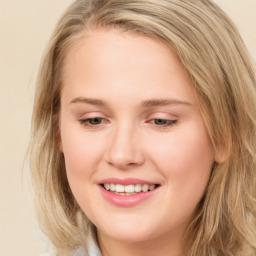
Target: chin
(130,232)
(130,237)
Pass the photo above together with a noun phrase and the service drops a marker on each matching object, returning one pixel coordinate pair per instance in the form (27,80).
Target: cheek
(82,152)
(185,158)
(82,156)
(184,150)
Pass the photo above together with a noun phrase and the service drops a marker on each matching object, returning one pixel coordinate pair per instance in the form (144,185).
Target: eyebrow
(95,102)
(164,102)
(145,103)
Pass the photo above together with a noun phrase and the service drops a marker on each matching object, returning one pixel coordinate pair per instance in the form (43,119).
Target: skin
(166,144)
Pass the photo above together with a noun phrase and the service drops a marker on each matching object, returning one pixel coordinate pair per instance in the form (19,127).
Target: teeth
(137,188)
(123,189)
(112,187)
(145,188)
(119,188)
(129,189)
(151,187)
(107,186)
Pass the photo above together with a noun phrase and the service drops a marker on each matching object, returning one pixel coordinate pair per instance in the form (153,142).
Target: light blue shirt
(92,249)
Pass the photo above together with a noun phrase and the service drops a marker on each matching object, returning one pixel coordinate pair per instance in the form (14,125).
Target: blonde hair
(213,54)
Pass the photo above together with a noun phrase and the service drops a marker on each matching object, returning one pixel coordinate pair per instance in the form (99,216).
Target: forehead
(112,60)
(114,46)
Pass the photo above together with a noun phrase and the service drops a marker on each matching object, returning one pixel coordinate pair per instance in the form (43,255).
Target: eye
(95,121)
(163,122)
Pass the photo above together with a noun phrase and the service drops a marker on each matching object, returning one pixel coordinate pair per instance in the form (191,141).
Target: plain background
(25,27)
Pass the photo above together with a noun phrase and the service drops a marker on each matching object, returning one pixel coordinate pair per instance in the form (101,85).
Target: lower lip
(126,201)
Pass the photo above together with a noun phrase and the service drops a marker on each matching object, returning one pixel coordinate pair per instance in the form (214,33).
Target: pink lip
(126,200)
(125,181)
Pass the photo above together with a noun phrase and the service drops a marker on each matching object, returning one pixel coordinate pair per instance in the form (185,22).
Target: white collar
(91,250)
(92,247)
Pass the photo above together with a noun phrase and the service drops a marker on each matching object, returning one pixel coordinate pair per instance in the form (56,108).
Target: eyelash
(164,123)
(86,122)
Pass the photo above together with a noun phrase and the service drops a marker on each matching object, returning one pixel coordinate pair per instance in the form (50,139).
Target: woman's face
(130,121)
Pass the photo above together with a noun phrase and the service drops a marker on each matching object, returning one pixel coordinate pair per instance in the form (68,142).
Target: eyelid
(85,120)
(167,120)
(162,115)
(90,115)
(164,124)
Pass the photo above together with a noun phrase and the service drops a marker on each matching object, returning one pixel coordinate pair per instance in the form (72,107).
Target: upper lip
(126,181)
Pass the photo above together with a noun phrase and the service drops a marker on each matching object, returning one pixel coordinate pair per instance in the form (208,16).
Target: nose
(124,150)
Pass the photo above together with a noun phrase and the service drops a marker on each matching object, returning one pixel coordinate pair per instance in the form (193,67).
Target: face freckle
(129,113)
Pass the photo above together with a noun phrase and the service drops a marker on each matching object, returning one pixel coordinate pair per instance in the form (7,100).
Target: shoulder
(78,252)
(91,248)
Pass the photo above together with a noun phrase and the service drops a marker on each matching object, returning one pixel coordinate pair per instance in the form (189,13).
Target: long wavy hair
(213,54)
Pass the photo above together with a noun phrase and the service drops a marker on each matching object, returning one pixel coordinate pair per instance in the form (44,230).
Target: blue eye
(92,121)
(164,122)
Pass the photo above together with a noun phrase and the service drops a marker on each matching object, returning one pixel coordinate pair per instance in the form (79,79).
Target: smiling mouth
(131,189)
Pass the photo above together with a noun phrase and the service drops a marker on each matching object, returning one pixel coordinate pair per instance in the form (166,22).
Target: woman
(144,132)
